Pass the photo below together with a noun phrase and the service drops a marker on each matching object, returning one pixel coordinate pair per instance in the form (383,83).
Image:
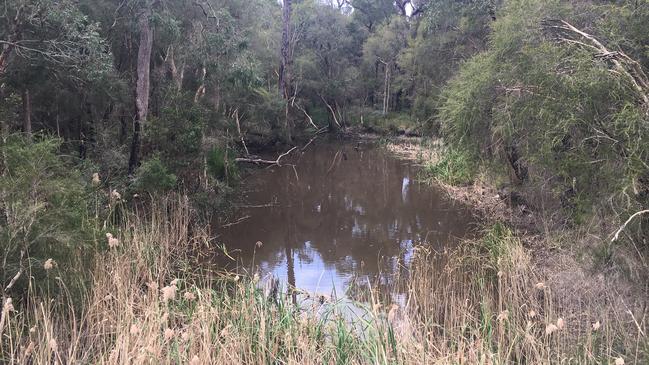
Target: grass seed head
(596,326)
(169,334)
(503,316)
(550,328)
(49,264)
(54,347)
(115,195)
(168,293)
(112,241)
(134,330)
(29,349)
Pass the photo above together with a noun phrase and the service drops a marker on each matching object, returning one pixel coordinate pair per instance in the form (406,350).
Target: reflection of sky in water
(404,189)
(315,276)
(334,222)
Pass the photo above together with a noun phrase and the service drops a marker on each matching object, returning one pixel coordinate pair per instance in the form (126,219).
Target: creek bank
(565,258)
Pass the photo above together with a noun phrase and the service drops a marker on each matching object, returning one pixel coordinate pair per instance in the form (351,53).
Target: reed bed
(147,304)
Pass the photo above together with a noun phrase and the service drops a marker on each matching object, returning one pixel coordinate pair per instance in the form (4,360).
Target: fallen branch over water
(259,161)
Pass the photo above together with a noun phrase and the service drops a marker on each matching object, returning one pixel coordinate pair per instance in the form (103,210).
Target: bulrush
(503,316)
(134,330)
(168,293)
(596,326)
(49,264)
(152,285)
(550,328)
(619,361)
(259,244)
(54,347)
(560,323)
(115,195)
(169,334)
(185,336)
(95,179)
(112,241)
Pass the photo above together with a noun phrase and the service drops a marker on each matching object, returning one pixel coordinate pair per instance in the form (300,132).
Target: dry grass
(146,305)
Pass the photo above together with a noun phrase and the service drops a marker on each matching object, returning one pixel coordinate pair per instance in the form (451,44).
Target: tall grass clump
(455,167)
(490,305)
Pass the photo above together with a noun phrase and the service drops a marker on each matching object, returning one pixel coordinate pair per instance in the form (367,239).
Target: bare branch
(616,236)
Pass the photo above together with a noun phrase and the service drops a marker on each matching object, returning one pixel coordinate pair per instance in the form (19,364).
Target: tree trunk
(386,89)
(142,86)
(4,57)
(27,114)
(200,92)
(176,75)
(285,66)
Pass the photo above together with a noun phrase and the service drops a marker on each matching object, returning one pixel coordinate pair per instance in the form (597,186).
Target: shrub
(154,177)
(220,165)
(46,212)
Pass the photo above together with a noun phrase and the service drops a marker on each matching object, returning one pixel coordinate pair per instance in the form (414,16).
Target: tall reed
(148,304)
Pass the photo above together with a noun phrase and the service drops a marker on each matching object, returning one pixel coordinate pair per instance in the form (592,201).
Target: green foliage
(220,165)
(154,177)
(46,202)
(497,239)
(573,119)
(456,167)
(177,133)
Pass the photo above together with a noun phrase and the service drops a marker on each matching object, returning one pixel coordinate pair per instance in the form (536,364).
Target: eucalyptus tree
(48,47)
(327,59)
(382,50)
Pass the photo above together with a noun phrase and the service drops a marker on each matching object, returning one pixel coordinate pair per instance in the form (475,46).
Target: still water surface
(337,214)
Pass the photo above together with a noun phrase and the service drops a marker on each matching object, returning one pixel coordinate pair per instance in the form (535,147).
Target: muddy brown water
(339,214)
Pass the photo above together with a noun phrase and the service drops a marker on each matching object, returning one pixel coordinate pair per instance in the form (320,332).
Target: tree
(142,88)
(47,46)
(287,60)
(382,49)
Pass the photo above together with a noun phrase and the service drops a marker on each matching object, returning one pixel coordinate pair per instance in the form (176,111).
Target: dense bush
(47,211)
(543,101)
(154,177)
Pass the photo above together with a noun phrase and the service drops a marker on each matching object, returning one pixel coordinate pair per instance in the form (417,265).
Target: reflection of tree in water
(358,211)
